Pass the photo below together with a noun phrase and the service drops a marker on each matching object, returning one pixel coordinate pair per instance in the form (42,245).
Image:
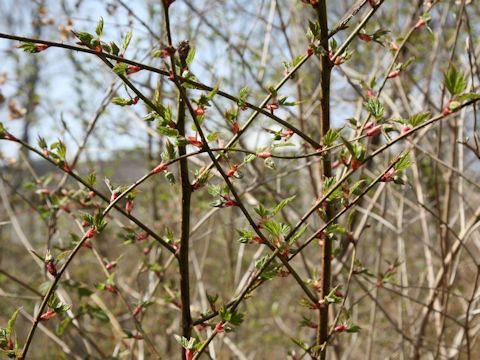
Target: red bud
(131,69)
(189,353)
(47,315)
(264,154)
(137,310)
(51,268)
(419,24)
(374,130)
(128,207)
(160,168)
(364,37)
(219,327)
(91,233)
(393,74)
(355,164)
(110,288)
(340,328)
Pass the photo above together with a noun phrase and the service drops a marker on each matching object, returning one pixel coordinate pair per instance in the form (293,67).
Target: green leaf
(212,93)
(84,37)
(99,28)
(62,255)
(249,158)
(454,105)
(98,313)
(212,136)
(60,147)
(63,308)
(283,101)
(29,47)
(127,39)
(273,228)
(114,48)
(187,74)
(106,48)
(419,118)
(298,59)
(454,81)
(298,234)
(468,96)
(60,328)
(331,136)
(348,145)
(191,55)
(11,322)
(242,96)
(122,102)
(351,216)
(3,132)
(214,190)
(170,178)
(38,255)
(236,318)
(270,163)
(282,205)
(331,298)
(120,69)
(336,229)
(274,146)
(301,344)
(187,344)
(83,291)
(353,328)
(91,179)
(355,186)
(167,131)
(245,236)
(402,67)
(375,108)
(403,163)
(261,211)
(314,28)
(53,302)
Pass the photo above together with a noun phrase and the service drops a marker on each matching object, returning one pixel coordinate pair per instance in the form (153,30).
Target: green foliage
(122,102)
(120,69)
(270,271)
(56,305)
(84,37)
(270,163)
(168,131)
(245,236)
(99,28)
(126,40)
(29,47)
(331,136)
(454,81)
(298,234)
(419,118)
(469,96)
(357,150)
(186,343)
(275,229)
(375,108)
(282,204)
(190,56)
(403,163)
(242,97)
(232,317)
